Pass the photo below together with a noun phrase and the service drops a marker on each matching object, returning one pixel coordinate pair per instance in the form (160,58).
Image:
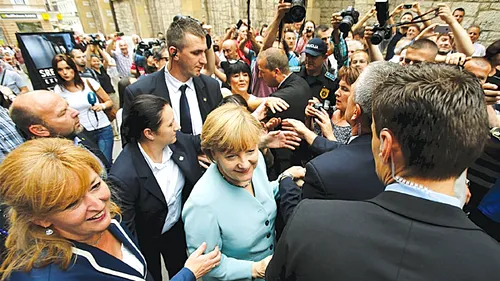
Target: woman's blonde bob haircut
(40,178)
(230,128)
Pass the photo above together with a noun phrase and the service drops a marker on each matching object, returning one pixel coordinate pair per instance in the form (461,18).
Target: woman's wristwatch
(285,175)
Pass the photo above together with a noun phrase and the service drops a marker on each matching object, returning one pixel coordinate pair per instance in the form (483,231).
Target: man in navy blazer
(191,94)
(334,174)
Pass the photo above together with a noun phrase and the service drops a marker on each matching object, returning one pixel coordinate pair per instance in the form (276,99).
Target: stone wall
(222,13)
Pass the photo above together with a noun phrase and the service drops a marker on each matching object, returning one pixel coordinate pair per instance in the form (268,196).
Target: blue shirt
(9,137)
(490,204)
(426,194)
(227,216)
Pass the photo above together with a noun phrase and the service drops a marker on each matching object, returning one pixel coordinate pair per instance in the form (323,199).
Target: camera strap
(421,17)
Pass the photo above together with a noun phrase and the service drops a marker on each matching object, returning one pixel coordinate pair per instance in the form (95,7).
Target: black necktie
(186,126)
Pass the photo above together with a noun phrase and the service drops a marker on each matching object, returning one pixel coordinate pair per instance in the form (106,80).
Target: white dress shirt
(173,86)
(171,181)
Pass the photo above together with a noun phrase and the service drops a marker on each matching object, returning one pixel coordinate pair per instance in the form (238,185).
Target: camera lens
(297,13)
(346,24)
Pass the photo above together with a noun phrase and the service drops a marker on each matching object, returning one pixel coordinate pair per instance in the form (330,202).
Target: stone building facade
(157,14)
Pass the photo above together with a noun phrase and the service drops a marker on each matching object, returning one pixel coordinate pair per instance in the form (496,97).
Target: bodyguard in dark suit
(415,229)
(192,95)
(154,175)
(274,70)
(334,174)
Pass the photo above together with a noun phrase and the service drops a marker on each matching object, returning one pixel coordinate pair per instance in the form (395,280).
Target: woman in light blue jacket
(233,204)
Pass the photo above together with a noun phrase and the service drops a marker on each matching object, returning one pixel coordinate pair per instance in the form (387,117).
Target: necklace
(97,241)
(242,186)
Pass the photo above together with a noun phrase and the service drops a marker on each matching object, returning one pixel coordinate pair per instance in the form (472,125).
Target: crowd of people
(288,152)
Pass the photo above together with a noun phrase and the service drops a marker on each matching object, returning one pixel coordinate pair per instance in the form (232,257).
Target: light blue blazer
(229,216)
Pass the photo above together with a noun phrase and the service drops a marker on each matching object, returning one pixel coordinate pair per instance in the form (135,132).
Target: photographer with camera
(123,58)
(307,34)
(399,33)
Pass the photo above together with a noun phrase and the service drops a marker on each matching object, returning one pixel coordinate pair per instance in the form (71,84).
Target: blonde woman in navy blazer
(233,205)
(63,224)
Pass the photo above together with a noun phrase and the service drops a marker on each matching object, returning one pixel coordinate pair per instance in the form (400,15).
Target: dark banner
(38,49)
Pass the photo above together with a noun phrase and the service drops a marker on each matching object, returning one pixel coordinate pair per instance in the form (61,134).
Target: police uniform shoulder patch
(324,93)
(295,68)
(330,76)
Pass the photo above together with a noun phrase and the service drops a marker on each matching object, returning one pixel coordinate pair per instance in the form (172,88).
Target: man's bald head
(230,50)
(45,114)
(480,67)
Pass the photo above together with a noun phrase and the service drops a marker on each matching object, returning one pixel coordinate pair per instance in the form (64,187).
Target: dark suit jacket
(335,175)
(391,237)
(296,92)
(141,199)
(207,91)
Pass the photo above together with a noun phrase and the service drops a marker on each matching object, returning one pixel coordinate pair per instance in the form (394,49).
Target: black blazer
(143,204)
(391,237)
(296,92)
(207,91)
(335,175)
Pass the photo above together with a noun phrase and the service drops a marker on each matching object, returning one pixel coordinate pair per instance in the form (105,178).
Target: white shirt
(171,181)
(479,50)
(78,100)
(131,260)
(173,86)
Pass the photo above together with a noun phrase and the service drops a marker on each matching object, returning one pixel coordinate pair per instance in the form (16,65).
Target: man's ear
(358,112)
(39,130)
(386,141)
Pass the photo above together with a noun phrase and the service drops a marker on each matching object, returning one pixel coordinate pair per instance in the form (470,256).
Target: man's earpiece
(174,53)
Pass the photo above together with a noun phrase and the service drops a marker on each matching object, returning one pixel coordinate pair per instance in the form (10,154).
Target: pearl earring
(49,231)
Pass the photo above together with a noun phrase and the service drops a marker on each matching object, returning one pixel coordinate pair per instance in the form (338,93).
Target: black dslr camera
(207,36)
(297,12)
(95,42)
(326,106)
(381,30)
(145,49)
(349,18)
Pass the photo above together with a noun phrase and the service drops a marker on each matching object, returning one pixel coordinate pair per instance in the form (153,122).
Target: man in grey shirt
(12,80)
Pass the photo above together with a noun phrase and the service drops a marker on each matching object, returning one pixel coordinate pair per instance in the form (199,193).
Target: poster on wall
(38,49)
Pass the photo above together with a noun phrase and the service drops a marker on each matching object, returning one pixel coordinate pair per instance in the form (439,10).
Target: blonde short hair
(230,128)
(39,178)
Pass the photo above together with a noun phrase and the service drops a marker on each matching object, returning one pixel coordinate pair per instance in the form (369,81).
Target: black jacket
(296,92)
(335,175)
(143,204)
(207,91)
(393,236)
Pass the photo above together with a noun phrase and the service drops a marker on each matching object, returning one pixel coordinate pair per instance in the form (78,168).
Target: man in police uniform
(323,84)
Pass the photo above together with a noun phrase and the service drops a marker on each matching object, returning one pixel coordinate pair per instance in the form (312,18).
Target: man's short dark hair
(24,117)
(425,44)
(437,113)
(177,31)
(275,58)
(407,13)
(321,28)
(460,10)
